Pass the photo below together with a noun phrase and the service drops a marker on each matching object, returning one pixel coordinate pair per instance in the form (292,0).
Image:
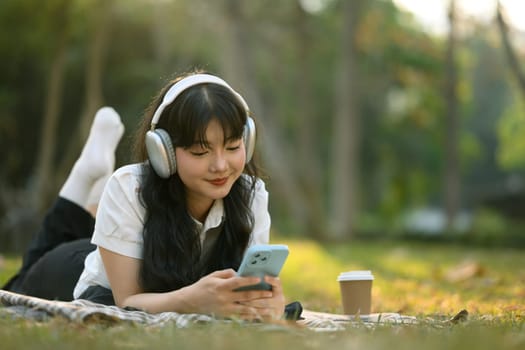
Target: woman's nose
(218,163)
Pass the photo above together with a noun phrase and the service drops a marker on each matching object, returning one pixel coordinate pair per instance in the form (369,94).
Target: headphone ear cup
(161,152)
(249,137)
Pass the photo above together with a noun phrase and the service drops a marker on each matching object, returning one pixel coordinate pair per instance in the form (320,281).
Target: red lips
(218,182)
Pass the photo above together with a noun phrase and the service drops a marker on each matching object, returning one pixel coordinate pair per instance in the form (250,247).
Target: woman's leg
(97,160)
(64,222)
(69,219)
(56,273)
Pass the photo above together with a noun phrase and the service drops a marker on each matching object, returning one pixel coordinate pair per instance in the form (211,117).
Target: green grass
(8,266)
(409,278)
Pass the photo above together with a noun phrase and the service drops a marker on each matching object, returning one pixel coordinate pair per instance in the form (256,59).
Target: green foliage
(491,228)
(8,267)
(489,223)
(511,132)
(489,96)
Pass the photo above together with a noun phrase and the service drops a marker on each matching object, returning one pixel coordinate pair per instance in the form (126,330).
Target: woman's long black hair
(172,249)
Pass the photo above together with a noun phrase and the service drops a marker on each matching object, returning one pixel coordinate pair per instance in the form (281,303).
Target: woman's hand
(272,307)
(215,294)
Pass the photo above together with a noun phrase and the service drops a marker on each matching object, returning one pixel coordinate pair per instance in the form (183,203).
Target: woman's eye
(198,154)
(198,151)
(233,145)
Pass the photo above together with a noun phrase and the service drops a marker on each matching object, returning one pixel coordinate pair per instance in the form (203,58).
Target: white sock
(97,159)
(96,190)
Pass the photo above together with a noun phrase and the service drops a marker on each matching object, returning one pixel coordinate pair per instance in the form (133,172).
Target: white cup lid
(362,275)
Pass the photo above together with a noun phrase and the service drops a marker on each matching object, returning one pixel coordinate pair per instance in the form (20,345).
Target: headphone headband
(185,83)
(161,152)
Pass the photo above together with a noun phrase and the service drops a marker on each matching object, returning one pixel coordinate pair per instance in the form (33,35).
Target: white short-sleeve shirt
(120,221)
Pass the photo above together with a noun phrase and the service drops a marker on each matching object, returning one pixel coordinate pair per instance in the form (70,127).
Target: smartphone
(261,260)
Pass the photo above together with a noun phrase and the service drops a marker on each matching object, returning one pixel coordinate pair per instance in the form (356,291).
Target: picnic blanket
(83,311)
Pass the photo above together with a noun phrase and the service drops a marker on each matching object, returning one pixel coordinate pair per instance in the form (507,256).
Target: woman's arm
(213,294)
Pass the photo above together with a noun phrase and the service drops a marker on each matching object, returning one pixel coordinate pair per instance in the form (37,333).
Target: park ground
(430,281)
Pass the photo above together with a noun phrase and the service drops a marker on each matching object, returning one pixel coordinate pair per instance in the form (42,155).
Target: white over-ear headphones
(159,147)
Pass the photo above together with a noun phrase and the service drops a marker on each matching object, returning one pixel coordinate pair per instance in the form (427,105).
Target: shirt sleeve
(261,228)
(120,216)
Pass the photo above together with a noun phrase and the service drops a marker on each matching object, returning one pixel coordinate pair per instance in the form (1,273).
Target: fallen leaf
(514,308)
(460,317)
(464,271)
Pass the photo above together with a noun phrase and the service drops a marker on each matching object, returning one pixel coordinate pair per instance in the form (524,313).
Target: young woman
(171,230)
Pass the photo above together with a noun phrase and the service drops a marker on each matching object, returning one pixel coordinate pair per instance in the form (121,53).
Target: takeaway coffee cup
(356,291)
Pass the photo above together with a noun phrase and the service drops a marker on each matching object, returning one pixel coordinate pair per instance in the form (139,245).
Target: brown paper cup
(356,292)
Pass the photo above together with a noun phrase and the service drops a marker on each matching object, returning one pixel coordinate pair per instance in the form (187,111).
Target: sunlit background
(374,120)
(432,14)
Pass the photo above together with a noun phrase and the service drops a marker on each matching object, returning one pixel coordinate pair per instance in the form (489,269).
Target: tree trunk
(100,25)
(309,166)
(161,38)
(511,54)
(346,130)
(44,185)
(451,171)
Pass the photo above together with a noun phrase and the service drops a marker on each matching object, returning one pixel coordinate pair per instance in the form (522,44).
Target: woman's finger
(227,273)
(257,303)
(241,282)
(248,295)
(275,282)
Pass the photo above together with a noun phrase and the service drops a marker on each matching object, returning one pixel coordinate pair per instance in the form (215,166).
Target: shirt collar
(214,218)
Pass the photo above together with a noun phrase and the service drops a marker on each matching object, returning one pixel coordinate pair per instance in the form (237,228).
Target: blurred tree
(28,40)
(509,50)
(451,164)
(99,14)
(511,130)
(239,66)
(30,43)
(511,136)
(350,104)
(309,167)
(400,153)
(347,128)
(44,179)
(488,97)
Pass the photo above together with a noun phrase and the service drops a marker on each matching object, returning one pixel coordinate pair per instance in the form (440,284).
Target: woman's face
(208,173)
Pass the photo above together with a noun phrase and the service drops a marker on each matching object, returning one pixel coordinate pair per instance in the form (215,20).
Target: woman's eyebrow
(232,138)
(206,143)
(200,143)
